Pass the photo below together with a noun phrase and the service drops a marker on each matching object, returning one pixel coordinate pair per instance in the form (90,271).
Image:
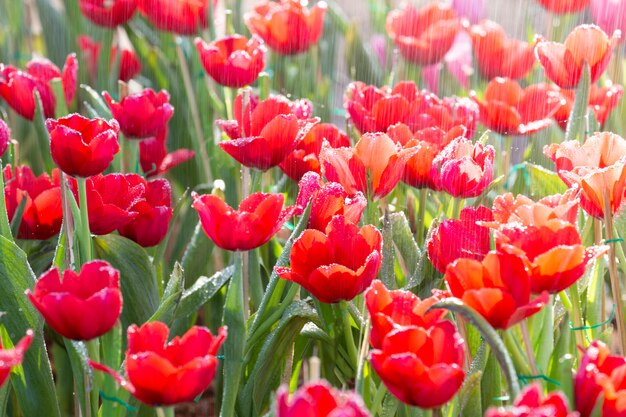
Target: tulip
(464,169)
(464,238)
(532,402)
(318,399)
(423,36)
(79,306)
(44,70)
(155,159)
(82,147)
(43,210)
(422,367)
(305,157)
(337,264)
(265,132)
(232,61)
(563,62)
(328,200)
(523,210)
(10,358)
(129,64)
(183,17)
(498,288)
(473,10)
(108,13)
(497,55)
(5,137)
(287,27)
(259,217)
(154,210)
(162,373)
(602,100)
(458,62)
(391,310)
(610,15)
(141,115)
(564,6)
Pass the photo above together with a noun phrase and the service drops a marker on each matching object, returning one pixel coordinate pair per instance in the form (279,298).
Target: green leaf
(171,297)
(576,121)
(202,291)
(387,274)
(77,352)
(562,361)
(535,181)
(404,241)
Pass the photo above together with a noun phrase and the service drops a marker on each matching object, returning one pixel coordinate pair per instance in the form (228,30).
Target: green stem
(165,411)
(344,312)
(5,227)
(93,349)
(104,59)
(575,312)
(457,205)
(228,103)
(84,234)
(421,214)
(528,347)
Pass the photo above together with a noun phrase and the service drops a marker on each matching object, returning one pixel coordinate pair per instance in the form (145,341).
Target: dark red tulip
(17,88)
(10,358)
(5,137)
(265,132)
(498,288)
(43,210)
(318,399)
(338,264)
(258,218)
(602,100)
(563,62)
(184,17)
(232,61)
(287,26)
(154,212)
(108,13)
(564,6)
(328,200)
(141,115)
(129,64)
(305,157)
(497,55)
(162,373)
(156,160)
(420,366)
(83,147)
(464,238)
(391,310)
(509,109)
(532,402)
(79,306)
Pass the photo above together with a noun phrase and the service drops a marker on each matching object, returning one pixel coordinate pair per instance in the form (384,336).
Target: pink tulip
(610,15)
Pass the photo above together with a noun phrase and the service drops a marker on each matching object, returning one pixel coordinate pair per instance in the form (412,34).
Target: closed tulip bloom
(162,373)
(497,55)
(318,399)
(183,17)
(610,15)
(335,265)
(79,306)
(108,13)
(602,101)
(422,367)
(232,61)
(83,147)
(43,209)
(287,26)
(564,6)
(563,62)
(498,288)
(129,64)
(259,217)
(532,402)
(141,115)
(523,210)
(45,70)
(155,159)
(5,137)
(390,310)
(464,238)
(423,36)
(10,358)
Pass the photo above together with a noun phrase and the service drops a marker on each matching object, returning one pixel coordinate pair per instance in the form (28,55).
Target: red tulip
(5,137)
(497,55)
(184,17)
(43,210)
(532,402)
(464,169)
(154,158)
(563,63)
(259,217)
(328,200)
(318,399)
(108,13)
(602,100)
(232,61)
(422,367)
(10,358)
(523,210)
(305,157)
(141,115)
(161,373)
(79,306)
(564,6)
(498,288)
(391,310)
(509,109)
(267,131)
(338,264)
(287,27)
(423,36)
(464,238)
(129,64)
(154,213)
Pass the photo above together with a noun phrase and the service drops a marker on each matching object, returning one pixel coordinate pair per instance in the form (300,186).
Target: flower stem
(344,311)
(457,205)
(421,214)
(84,234)
(528,347)
(575,312)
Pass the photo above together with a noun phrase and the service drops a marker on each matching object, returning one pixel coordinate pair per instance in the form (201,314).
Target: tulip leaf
(562,361)
(404,241)
(137,276)
(202,291)
(35,390)
(469,398)
(387,274)
(43,137)
(96,102)
(77,352)
(535,181)
(171,297)
(577,118)
(361,60)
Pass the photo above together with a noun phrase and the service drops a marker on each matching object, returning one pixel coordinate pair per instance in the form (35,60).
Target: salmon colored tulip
(523,210)
(564,6)
(532,402)
(318,399)
(602,101)
(10,358)
(108,13)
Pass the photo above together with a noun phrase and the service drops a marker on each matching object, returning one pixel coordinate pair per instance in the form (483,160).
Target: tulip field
(292,208)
